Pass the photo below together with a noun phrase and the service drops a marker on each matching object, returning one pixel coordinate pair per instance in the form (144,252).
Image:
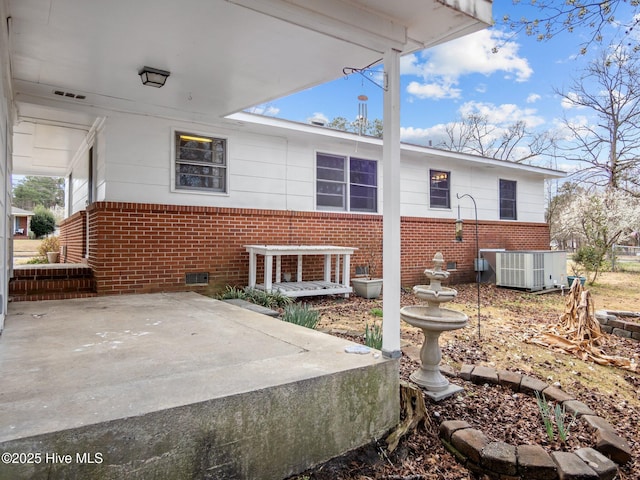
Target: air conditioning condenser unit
(531,270)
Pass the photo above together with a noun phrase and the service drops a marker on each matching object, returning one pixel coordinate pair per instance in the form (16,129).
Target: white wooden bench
(337,260)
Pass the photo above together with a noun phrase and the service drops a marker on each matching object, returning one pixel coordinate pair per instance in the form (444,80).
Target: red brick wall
(73,233)
(137,248)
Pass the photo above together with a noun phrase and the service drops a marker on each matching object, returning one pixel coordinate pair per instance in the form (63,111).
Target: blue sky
(441,84)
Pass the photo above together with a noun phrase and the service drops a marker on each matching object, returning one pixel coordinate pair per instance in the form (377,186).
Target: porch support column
(391,206)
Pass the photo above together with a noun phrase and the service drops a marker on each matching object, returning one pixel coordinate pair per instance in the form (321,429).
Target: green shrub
(266,299)
(259,297)
(232,292)
(373,336)
(301,315)
(42,222)
(37,260)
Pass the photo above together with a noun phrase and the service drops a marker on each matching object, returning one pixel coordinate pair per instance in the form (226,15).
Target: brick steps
(51,282)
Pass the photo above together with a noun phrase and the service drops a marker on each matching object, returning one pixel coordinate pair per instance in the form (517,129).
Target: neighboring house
(190,196)
(21,221)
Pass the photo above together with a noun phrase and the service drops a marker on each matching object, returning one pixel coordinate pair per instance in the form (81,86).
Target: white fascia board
(336,19)
(484,161)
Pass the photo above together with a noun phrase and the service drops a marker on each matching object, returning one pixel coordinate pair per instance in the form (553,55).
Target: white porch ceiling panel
(223,55)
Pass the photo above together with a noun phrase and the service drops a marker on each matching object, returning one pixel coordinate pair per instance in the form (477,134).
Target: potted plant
(586,262)
(367,286)
(50,248)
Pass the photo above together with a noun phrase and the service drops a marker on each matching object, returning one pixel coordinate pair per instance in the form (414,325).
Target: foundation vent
(197,278)
(77,96)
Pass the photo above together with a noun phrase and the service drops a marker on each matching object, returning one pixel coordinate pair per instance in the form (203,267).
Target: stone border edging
(480,454)
(611,323)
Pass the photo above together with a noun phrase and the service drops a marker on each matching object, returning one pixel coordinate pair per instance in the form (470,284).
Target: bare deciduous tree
(475,134)
(608,146)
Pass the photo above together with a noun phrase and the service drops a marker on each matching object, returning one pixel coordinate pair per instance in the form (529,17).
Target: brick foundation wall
(141,248)
(73,233)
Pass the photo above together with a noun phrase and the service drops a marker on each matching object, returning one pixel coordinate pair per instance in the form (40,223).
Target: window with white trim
(508,200)
(346,183)
(200,163)
(439,193)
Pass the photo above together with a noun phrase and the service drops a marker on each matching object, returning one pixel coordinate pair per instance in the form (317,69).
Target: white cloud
(499,117)
(433,90)
(265,109)
(533,98)
(570,101)
(486,52)
(504,114)
(423,136)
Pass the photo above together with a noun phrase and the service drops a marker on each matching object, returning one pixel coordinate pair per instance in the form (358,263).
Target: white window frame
(515,200)
(346,182)
(440,207)
(199,191)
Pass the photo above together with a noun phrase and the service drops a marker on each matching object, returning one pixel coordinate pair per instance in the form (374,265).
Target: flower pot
(53,257)
(367,287)
(571,278)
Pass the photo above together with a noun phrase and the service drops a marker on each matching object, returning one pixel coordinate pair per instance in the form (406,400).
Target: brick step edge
(51,296)
(30,287)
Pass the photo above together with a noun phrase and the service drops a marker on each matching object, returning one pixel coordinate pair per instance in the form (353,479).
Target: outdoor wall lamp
(153,77)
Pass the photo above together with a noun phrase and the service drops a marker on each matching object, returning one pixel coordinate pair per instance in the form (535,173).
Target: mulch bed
(499,412)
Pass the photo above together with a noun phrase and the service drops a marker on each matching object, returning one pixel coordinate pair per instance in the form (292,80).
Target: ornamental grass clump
(302,315)
(259,297)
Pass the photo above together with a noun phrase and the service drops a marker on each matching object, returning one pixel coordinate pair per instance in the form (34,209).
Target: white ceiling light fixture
(153,77)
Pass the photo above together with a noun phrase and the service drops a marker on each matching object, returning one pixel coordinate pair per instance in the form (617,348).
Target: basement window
(200,163)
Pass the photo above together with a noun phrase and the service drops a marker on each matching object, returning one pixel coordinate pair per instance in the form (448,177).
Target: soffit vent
(76,96)
(197,278)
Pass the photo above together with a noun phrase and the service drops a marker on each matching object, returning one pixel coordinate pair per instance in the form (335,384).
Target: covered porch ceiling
(73,61)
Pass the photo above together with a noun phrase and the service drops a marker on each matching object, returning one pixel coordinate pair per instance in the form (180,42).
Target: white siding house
(272,166)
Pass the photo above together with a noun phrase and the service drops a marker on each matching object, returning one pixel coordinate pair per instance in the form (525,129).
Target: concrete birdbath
(433,320)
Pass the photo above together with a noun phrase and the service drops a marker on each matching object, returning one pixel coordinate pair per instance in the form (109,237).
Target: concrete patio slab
(179,385)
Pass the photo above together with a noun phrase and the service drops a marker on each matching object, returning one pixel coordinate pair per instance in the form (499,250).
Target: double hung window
(440,189)
(508,200)
(346,183)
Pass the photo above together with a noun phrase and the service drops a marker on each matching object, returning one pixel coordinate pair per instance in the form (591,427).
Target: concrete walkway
(82,366)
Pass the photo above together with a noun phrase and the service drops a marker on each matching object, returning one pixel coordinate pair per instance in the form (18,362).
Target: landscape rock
(535,463)
(499,457)
(470,442)
(530,384)
(613,446)
(571,467)
(605,468)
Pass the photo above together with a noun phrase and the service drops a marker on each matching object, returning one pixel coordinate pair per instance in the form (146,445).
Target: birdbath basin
(433,297)
(433,320)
